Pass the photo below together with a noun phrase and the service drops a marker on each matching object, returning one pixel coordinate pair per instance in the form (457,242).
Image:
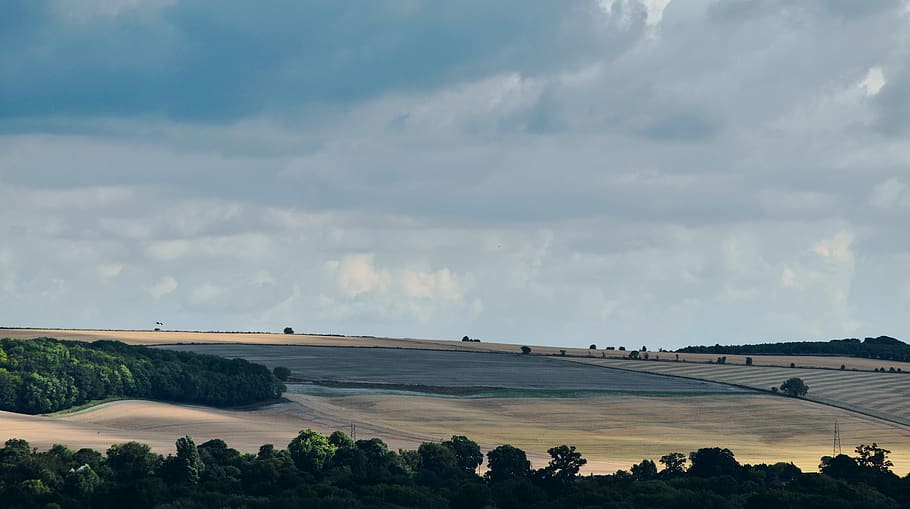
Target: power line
(837,450)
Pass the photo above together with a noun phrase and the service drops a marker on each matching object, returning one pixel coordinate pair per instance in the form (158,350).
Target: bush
(282,373)
(526,349)
(288,330)
(795,387)
(592,347)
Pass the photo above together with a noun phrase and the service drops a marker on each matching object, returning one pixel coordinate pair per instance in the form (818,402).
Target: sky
(618,172)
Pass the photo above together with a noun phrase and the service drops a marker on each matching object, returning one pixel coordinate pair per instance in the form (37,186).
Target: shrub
(795,387)
(525,349)
(288,330)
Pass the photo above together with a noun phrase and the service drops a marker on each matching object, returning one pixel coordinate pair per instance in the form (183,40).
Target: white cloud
(788,278)
(441,284)
(873,81)
(356,275)
(167,285)
(836,248)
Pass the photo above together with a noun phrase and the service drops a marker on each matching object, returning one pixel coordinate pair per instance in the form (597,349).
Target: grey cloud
(586,176)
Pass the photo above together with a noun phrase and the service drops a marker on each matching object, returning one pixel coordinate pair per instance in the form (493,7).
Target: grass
(83,407)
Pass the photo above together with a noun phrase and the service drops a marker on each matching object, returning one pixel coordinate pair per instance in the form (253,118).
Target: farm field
(449,369)
(611,432)
(614,416)
(880,394)
(147,337)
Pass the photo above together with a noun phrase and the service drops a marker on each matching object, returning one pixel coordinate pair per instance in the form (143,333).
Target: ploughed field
(451,370)
(885,395)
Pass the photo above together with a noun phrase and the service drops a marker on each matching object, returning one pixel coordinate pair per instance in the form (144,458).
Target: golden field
(611,432)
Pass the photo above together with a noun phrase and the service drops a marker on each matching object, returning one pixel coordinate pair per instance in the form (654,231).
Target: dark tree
(282,373)
(507,462)
(633,354)
(794,387)
(592,347)
(132,461)
(526,349)
(713,462)
(873,457)
(565,462)
(644,471)
(288,330)
(674,463)
(467,452)
(436,462)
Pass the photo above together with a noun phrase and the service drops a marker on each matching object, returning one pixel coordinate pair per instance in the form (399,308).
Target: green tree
(132,461)
(82,481)
(507,462)
(311,450)
(436,462)
(467,452)
(188,460)
(794,387)
(340,440)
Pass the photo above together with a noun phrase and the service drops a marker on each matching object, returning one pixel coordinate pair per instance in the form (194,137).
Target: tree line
(882,347)
(46,375)
(334,471)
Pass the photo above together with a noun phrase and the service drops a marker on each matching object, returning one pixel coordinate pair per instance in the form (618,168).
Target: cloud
(540,172)
(441,284)
(110,270)
(836,248)
(356,275)
(873,82)
(167,285)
